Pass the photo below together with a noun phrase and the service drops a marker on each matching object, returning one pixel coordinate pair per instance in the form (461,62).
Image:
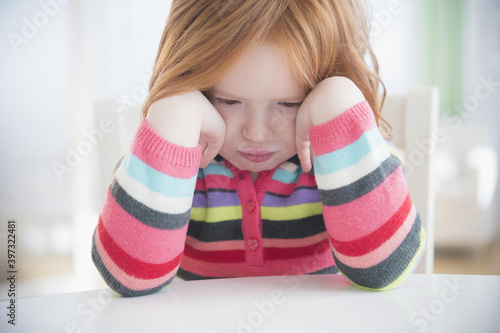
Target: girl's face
(258,100)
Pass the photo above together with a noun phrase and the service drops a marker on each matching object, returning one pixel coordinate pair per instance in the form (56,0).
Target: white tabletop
(312,303)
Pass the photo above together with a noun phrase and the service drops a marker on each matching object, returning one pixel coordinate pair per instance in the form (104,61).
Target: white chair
(413,119)
(414,124)
(124,121)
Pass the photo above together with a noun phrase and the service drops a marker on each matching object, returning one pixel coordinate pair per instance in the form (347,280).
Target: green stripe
(216,214)
(291,212)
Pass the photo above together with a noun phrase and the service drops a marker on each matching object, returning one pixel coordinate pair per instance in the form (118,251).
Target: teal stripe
(215,169)
(157,181)
(349,155)
(287,177)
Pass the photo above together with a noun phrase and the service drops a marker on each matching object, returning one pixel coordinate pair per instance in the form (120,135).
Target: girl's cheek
(282,123)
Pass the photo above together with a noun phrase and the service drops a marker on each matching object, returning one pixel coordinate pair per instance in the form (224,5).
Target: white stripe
(355,172)
(151,199)
(289,167)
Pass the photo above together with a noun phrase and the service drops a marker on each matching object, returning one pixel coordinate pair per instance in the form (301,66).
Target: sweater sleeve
(139,240)
(375,231)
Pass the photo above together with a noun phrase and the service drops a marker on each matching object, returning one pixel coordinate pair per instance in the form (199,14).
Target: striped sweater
(164,216)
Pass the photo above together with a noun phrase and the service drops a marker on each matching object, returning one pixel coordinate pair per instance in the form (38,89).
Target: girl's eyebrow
(225,94)
(231,96)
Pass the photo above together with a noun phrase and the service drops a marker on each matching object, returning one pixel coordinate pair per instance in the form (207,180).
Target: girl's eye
(227,101)
(290,105)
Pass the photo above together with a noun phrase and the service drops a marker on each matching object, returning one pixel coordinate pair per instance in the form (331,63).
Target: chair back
(122,122)
(414,132)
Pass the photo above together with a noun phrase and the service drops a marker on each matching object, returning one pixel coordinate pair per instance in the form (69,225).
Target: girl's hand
(329,99)
(187,120)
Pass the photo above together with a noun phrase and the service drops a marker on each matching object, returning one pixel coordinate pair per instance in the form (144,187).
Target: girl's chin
(244,164)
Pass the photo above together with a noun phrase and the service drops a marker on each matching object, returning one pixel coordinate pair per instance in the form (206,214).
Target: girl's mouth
(257,156)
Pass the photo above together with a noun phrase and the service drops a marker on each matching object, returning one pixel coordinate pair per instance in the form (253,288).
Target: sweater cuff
(146,138)
(343,129)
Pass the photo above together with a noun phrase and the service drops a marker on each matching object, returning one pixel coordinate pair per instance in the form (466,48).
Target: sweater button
(253,244)
(250,206)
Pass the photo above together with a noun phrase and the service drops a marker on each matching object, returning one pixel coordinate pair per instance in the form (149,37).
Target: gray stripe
(231,230)
(117,286)
(328,270)
(362,186)
(390,269)
(293,229)
(188,276)
(118,163)
(145,214)
(215,232)
(214,189)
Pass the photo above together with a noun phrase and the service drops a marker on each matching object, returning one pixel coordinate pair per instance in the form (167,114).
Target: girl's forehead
(260,75)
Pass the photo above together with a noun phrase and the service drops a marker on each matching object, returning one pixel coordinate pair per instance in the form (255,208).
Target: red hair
(318,39)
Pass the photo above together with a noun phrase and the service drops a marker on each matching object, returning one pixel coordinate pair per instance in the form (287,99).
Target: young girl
(259,154)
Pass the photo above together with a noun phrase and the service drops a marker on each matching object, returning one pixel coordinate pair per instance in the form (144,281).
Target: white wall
(36,88)
(482,49)
(396,45)
(58,58)
(393,40)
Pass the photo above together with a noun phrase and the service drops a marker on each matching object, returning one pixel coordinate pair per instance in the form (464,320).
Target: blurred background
(74,71)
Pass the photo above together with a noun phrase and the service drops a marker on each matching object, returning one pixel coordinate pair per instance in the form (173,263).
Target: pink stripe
(300,242)
(342,130)
(223,182)
(126,280)
(200,184)
(278,187)
(384,251)
(164,156)
(215,246)
(275,267)
(139,240)
(306,180)
(364,215)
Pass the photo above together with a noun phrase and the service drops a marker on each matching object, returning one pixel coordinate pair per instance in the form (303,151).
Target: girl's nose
(257,127)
